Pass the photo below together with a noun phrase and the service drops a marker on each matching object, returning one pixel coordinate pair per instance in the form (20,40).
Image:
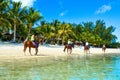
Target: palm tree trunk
(29,30)
(63,40)
(29,33)
(14,39)
(28,36)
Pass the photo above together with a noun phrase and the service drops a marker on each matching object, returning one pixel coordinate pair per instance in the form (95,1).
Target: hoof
(36,54)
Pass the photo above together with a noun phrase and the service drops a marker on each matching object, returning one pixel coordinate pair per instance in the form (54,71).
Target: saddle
(34,44)
(87,46)
(70,45)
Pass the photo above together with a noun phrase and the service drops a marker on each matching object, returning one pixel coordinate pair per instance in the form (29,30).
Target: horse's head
(73,45)
(40,40)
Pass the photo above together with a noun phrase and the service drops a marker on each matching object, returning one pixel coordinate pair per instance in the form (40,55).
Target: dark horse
(69,48)
(86,48)
(30,45)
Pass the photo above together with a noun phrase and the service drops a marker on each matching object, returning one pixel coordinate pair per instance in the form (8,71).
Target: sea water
(70,68)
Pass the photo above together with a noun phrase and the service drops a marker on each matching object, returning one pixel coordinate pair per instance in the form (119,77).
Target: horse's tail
(25,46)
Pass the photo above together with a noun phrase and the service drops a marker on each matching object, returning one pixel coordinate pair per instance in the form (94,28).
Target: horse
(30,45)
(86,48)
(69,47)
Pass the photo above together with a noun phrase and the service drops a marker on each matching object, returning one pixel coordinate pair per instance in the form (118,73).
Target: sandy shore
(16,51)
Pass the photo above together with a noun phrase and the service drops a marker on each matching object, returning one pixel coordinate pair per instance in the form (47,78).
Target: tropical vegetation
(19,23)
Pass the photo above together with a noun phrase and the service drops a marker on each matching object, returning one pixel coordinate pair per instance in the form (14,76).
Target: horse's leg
(85,54)
(64,48)
(103,49)
(84,51)
(89,51)
(36,51)
(25,47)
(30,51)
(70,50)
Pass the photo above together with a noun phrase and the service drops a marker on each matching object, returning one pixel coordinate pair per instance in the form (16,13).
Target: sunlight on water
(92,68)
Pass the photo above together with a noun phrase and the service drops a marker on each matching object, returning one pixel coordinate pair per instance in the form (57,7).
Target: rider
(70,42)
(33,39)
(87,44)
(103,46)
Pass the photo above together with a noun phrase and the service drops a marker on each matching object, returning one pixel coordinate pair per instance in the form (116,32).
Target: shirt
(87,43)
(32,38)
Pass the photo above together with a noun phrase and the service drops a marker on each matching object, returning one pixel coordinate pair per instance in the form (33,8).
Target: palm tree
(109,37)
(78,29)
(4,23)
(65,32)
(88,27)
(32,17)
(15,15)
(54,26)
(104,33)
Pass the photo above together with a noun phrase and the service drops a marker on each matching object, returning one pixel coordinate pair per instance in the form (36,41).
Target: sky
(78,11)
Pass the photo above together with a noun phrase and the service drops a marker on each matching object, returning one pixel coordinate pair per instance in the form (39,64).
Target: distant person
(103,48)
(87,44)
(70,42)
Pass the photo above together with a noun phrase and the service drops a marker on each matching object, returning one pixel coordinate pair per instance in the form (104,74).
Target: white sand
(16,51)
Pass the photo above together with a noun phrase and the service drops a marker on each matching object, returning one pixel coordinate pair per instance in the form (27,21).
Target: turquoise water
(70,68)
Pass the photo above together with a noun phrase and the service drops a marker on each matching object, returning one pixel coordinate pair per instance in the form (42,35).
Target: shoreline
(16,51)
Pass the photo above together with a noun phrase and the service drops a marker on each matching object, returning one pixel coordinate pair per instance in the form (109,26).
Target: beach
(52,63)
(16,51)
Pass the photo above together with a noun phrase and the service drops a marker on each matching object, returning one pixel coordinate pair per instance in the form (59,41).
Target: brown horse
(86,49)
(69,48)
(30,45)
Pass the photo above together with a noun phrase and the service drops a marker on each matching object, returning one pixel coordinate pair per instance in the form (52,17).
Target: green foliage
(114,45)
(4,38)
(21,21)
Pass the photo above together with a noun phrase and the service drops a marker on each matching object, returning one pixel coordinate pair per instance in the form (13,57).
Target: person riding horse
(70,43)
(87,44)
(34,40)
(33,43)
(86,47)
(69,46)
(103,48)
